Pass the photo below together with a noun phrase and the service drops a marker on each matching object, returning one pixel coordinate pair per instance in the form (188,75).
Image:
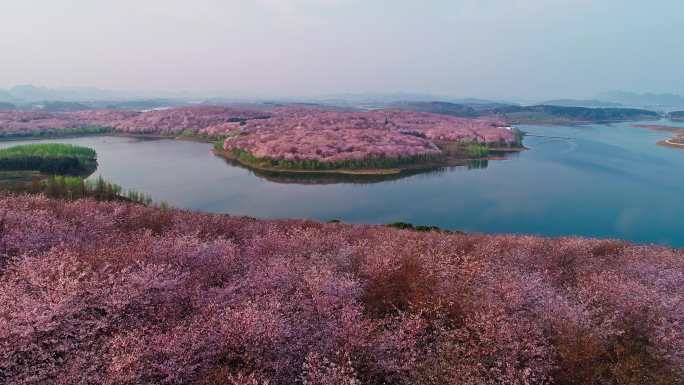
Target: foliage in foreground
(113,293)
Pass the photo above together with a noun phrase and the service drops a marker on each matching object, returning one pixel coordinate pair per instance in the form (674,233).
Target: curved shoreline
(426,166)
(86,135)
(678,131)
(420,166)
(669,143)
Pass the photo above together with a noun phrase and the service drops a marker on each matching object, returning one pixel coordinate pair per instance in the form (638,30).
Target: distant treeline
(582,113)
(677,115)
(49,158)
(475,151)
(58,106)
(369,163)
(48,165)
(7,106)
(410,226)
(542,112)
(55,133)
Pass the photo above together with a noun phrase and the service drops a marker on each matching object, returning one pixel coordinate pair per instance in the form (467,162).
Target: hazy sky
(478,48)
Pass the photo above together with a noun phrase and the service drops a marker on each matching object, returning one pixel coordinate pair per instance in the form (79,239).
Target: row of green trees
(519,136)
(410,226)
(49,150)
(368,163)
(49,158)
(219,141)
(475,150)
(53,133)
(71,188)
(66,165)
(477,164)
(49,165)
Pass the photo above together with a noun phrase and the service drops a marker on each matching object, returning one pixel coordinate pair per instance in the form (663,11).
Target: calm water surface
(599,180)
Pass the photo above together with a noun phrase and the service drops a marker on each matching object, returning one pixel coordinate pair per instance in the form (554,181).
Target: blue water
(607,181)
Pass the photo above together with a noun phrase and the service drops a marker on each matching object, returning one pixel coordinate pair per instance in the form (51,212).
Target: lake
(595,180)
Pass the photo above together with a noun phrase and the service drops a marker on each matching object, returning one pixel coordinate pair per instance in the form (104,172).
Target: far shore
(571,123)
(676,141)
(669,143)
(87,135)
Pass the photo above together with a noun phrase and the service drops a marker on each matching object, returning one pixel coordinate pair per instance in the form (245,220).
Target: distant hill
(370,97)
(677,115)
(5,96)
(31,93)
(560,114)
(60,106)
(408,100)
(443,108)
(141,104)
(30,97)
(7,106)
(589,103)
(466,110)
(477,103)
(531,114)
(27,93)
(644,100)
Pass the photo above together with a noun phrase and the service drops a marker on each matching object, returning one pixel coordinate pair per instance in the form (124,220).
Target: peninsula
(373,142)
(294,138)
(677,141)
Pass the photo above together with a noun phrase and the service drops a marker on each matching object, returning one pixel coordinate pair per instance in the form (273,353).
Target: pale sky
(298,48)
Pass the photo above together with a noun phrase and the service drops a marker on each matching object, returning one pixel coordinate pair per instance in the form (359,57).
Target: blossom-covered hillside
(204,120)
(113,293)
(33,122)
(432,126)
(331,145)
(331,137)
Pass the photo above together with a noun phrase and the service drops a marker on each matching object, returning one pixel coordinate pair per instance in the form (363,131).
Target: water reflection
(337,178)
(477,164)
(326,179)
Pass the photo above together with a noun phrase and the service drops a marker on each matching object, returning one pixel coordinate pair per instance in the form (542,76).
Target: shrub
(401,225)
(475,151)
